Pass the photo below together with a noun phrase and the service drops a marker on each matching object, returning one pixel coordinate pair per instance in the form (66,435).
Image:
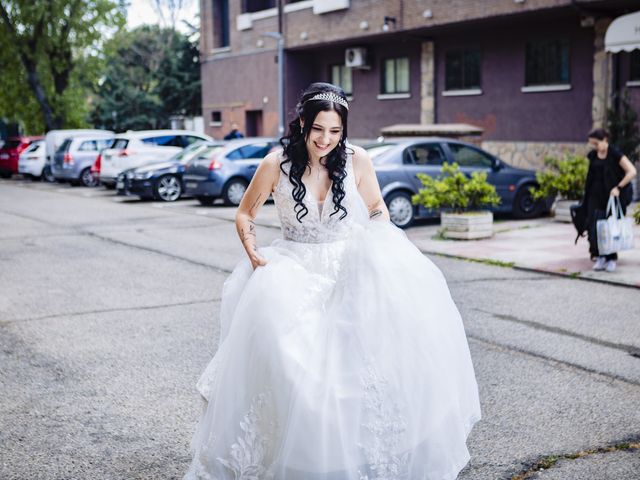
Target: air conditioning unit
(356,57)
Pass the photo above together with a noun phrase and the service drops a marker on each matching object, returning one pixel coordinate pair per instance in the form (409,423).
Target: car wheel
(400,209)
(524,205)
(87,179)
(206,201)
(168,188)
(47,175)
(5,175)
(234,191)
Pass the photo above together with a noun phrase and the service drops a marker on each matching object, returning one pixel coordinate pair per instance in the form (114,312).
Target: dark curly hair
(295,147)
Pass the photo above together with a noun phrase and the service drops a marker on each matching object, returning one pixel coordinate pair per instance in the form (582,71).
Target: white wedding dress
(344,358)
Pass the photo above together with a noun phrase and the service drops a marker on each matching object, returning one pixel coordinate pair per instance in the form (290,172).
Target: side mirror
(497,165)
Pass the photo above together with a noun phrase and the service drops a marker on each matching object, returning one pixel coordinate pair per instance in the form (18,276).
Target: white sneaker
(611,265)
(599,264)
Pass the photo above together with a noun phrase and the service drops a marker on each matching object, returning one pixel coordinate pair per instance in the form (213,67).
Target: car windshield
(34,147)
(185,154)
(377,149)
(209,151)
(65,146)
(119,143)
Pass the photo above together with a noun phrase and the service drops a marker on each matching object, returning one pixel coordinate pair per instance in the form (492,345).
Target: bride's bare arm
(368,185)
(258,191)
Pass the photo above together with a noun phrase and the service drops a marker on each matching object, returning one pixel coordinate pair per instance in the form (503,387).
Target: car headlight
(142,175)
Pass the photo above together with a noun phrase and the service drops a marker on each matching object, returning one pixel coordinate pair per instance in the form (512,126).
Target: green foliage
(151,74)
(623,127)
(52,48)
(455,190)
(636,214)
(564,178)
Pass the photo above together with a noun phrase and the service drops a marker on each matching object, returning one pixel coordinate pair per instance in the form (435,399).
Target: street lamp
(279,37)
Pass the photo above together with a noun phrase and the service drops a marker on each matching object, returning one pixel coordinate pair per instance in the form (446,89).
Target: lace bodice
(318,225)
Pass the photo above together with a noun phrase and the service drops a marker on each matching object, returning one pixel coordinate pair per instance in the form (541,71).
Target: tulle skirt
(337,361)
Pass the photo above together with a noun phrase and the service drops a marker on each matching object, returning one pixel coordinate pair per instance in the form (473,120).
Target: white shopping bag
(615,232)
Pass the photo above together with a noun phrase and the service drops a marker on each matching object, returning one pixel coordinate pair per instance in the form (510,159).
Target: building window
(395,75)
(547,63)
(249,6)
(216,119)
(220,23)
(634,66)
(342,77)
(462,69)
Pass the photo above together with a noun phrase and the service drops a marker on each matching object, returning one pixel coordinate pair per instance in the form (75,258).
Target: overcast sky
(143,12)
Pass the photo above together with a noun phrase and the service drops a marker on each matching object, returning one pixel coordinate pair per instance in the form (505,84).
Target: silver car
(73,159)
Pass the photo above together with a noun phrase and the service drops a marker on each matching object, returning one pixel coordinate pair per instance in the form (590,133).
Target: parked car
(53,141)
(226,173)
(397,161)
(10,154)
(32,160)
(73,160)
(133,149)
(163,181)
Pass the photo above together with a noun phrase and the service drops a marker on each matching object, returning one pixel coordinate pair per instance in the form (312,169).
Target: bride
(342,355)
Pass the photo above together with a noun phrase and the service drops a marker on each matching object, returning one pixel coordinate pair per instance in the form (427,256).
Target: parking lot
(109,312)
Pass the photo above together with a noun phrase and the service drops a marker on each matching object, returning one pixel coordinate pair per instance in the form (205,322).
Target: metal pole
(281,85)
(280,38)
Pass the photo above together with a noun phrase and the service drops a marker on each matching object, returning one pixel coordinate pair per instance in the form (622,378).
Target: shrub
(454,190)
(564,178)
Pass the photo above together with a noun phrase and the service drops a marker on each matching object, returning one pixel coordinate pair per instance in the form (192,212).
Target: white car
(33,160)
(133,149)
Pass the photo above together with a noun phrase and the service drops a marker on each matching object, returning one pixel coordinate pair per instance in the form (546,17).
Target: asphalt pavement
(109,312)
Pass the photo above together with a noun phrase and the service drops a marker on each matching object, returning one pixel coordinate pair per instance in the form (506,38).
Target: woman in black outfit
(610,174)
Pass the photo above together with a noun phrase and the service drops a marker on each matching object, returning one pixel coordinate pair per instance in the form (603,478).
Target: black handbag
(579,218)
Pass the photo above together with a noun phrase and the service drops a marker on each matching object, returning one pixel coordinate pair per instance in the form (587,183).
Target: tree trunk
(51,121)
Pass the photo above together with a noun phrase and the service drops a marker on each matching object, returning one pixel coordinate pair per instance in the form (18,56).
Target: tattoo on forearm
(375,213)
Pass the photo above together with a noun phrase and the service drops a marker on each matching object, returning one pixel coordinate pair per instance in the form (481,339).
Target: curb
(530,269)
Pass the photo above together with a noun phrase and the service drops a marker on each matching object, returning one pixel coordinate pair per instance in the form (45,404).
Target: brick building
(532,73)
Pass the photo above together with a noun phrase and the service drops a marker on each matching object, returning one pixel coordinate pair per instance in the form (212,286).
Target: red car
(10,153)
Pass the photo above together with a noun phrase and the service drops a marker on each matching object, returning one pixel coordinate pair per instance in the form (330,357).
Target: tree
(51,40)
(170,8)
(151,75)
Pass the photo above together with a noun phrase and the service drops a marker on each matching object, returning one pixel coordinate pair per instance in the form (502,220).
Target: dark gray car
(397,161)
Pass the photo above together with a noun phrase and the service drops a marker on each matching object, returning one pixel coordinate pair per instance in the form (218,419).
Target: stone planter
(468,225)
(562,213)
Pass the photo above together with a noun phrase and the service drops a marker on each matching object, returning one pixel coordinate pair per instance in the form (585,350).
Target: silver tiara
(332,97)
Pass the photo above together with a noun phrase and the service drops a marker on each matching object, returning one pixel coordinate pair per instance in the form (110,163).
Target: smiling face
(325,134)
(599,145)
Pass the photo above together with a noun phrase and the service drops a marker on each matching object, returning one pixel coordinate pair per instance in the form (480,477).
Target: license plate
(120,185)
(4,156)
(192,184)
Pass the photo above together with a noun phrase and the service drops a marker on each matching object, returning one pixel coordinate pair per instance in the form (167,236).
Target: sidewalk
(541,244)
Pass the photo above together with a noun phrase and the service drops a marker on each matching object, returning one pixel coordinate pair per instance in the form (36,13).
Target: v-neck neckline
(319,212)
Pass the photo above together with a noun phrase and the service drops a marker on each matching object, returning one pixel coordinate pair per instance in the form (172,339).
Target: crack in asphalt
(609,376)
(107,310)
(545,462)
(215,268)
(501,279)
(561,331)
